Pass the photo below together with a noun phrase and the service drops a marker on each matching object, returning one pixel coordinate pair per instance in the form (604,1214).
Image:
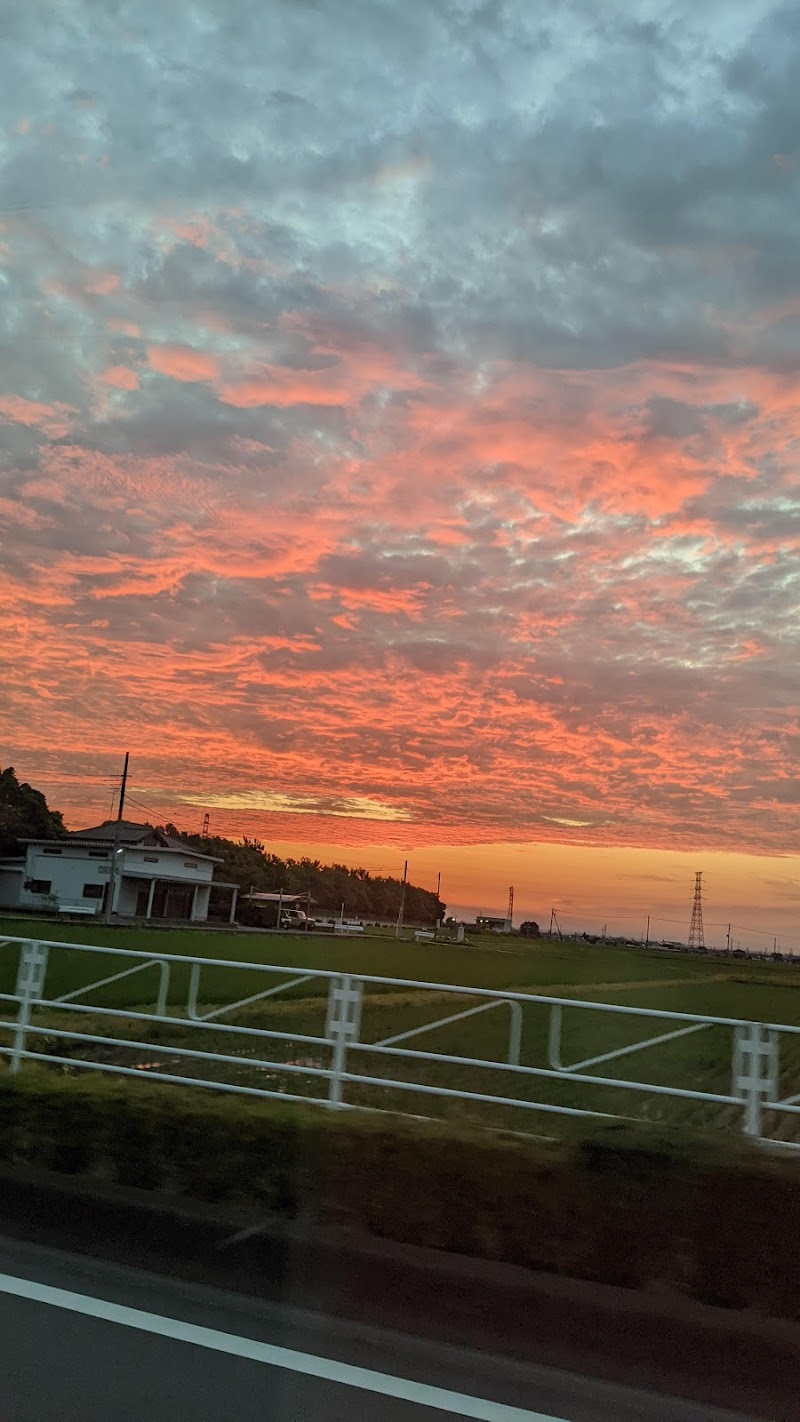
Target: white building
(154,876)
(485,923)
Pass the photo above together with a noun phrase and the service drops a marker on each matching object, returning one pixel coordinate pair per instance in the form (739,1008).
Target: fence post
(194,986)
(342,1027)
(554,1039)
(163,989)
(30,985)
(515,1033)
(755,1071)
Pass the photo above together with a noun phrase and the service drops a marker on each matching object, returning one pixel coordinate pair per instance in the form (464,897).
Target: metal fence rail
(753,1048)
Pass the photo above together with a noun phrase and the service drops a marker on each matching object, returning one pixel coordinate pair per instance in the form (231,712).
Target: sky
(399,422)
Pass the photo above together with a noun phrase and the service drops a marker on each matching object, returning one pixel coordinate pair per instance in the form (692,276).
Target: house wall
(10,885)
(166,864)
(201,901)
(67,874)
(126,892)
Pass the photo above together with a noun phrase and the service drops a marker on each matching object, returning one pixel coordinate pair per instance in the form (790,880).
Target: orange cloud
(103,283)
(512,632)
(352,370)
(282,387)
(121,377)
(52,419)
(183,363)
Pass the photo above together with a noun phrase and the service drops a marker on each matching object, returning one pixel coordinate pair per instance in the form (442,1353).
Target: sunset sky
(399,418)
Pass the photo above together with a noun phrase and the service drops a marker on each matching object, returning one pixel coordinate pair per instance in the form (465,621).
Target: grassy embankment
(598,973)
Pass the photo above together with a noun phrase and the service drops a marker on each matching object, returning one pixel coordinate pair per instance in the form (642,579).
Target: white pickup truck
(293,918)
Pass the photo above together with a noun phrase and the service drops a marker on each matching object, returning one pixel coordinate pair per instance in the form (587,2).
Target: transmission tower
(696,935)
(206,823)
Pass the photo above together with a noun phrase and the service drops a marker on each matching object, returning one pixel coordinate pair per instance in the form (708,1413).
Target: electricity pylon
(696,935)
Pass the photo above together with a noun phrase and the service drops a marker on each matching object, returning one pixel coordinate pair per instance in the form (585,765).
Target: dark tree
(249,864)
(24,814)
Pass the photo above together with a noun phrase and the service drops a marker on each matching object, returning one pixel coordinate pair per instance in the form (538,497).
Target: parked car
(293,918)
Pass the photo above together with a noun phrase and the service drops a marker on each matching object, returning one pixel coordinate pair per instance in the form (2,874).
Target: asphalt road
(85,1340)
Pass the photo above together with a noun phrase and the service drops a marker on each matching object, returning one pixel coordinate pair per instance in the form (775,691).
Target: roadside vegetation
(714,1222)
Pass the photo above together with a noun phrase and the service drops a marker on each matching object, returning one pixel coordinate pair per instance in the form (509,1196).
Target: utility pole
(112,875)
(647,938)
(402,901)
(729,938)
(510,914)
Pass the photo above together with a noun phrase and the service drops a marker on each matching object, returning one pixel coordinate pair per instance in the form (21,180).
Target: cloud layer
(401,417)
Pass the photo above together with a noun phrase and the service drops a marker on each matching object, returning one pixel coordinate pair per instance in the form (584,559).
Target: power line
(150,809)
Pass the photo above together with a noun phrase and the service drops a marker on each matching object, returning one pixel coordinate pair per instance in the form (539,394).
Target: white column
(150,898)
(232,914)
(194,903)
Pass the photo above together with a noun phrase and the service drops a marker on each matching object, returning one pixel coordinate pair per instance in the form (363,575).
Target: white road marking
(241,1235)
(461,1404)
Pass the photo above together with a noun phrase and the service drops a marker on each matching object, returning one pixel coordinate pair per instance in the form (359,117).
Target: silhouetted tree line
(24,814)
(249,863)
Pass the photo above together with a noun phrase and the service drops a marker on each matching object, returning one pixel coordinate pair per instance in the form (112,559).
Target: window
(190,863)
(93,891)
(96,853)
(151,859)
(38,886)
(52,851)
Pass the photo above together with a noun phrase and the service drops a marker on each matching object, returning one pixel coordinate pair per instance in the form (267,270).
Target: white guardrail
(753,1047)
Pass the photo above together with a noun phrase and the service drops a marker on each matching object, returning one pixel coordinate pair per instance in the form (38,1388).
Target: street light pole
(112,877)
(399,924)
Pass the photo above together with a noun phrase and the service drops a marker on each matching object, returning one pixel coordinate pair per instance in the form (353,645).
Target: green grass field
(594,973)
(541,965)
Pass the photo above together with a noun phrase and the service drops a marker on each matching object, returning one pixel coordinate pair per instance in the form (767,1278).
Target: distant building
(156,876)
(485,924)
